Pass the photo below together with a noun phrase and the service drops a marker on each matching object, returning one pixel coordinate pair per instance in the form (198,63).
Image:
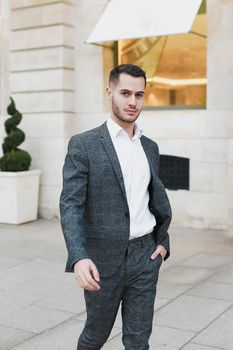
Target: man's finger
(87,282)
(163,251)
(87,274)
(91,282)
(95,273)
(154,255)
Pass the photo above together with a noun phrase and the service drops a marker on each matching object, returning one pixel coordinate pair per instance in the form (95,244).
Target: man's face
(127,98)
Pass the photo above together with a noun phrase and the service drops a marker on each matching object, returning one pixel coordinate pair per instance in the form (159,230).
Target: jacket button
(127,214)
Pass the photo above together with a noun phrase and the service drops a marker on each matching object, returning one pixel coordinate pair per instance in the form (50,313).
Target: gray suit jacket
(93,203)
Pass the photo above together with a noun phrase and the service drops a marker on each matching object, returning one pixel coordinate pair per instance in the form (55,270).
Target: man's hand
(159,250)
(87,275)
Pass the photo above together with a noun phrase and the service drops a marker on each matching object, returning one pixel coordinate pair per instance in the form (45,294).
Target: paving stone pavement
(42,308)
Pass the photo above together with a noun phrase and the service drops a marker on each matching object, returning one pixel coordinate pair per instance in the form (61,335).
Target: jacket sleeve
(73,200)
(162,210)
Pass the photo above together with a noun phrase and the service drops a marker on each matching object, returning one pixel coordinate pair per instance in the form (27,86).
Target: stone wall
(220,75)
(58,83)
(4,64)
(204,136)
(90,67)
(42,84)
(184,133)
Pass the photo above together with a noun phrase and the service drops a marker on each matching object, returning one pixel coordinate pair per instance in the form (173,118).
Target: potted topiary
(19,186)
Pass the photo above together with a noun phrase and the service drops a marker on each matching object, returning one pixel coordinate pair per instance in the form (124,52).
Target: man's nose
(132,101)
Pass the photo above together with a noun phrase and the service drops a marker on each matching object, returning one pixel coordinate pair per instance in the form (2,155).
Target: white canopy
(128,19)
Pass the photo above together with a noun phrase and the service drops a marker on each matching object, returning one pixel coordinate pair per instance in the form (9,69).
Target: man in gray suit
(115,216)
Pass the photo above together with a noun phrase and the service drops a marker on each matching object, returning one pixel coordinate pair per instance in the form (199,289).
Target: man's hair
(130,69)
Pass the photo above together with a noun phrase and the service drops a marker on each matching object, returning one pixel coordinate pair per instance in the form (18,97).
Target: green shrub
(14,159)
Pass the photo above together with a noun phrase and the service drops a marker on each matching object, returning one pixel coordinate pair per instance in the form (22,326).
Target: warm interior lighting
(176,82)
(175,64)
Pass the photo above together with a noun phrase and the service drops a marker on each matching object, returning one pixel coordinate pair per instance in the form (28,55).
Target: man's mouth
(131,110)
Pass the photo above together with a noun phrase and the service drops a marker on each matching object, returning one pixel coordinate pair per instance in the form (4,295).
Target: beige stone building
(58,84)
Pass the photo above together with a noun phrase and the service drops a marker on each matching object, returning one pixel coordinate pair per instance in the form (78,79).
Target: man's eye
(125,93)
(139,95)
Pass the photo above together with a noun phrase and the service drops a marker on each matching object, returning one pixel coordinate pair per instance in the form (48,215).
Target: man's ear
(108,93)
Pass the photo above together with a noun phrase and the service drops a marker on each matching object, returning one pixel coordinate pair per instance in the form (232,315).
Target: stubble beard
(117,113)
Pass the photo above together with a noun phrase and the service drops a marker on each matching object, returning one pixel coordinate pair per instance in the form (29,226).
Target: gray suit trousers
(133,286)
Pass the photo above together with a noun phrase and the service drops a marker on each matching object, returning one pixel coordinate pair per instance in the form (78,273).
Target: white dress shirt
(136,173)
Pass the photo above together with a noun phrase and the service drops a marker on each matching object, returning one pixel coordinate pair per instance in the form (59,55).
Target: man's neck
(128,127)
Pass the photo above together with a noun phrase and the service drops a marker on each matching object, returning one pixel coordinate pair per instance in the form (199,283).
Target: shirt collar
(116,129)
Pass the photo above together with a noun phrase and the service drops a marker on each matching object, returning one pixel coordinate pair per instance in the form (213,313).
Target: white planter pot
(19,194)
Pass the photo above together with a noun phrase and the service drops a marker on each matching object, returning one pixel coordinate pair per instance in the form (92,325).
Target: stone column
(42,84)
(4,64)
(220,87)
(230,188)
(90,69)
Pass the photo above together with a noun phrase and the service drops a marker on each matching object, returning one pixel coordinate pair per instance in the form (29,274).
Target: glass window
(175,65)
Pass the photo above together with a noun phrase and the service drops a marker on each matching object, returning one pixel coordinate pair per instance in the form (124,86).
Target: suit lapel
(106,140)
(150,155)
